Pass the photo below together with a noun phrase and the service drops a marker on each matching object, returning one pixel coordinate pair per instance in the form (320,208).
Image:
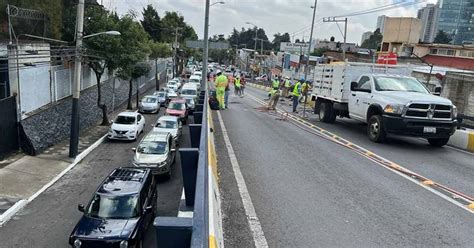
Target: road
(50,218)
(311,192)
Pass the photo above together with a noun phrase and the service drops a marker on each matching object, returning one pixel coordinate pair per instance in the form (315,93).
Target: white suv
(127,126)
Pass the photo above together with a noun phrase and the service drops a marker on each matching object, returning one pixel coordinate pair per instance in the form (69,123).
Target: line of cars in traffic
(125,203)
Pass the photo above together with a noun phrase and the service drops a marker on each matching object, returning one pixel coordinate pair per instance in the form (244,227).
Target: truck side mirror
(437,91)
(80,207)
(134,149)
(353,86)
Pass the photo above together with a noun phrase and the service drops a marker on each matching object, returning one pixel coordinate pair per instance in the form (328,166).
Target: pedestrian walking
(286,87)
(296,95)
(237,86)
(274,97)
(221,84)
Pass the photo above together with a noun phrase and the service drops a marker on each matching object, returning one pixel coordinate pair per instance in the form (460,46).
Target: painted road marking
(457,198)
(254,223)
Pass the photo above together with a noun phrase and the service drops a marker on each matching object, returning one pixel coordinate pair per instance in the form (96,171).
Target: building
(401,34)
(429,22)
(457,20)
(381,22)
(366,36)
(447,55)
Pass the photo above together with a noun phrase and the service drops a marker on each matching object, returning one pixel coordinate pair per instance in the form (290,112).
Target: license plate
(429,129)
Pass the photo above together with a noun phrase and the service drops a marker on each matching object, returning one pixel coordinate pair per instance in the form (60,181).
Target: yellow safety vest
(295,90)
(276,84)
(221,81)
(237,82)
(287,83)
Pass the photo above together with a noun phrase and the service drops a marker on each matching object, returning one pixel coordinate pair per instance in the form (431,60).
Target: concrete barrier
(463,139)
(216,237)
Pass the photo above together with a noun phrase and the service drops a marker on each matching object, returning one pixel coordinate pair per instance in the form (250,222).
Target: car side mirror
(134,149)
(353,86)
(80,207)
(173,149)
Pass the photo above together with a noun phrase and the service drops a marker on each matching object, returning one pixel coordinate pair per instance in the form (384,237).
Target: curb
(7,215)
(462,139)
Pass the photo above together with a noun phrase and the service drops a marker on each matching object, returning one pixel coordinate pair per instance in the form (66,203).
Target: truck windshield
(113,207)
(399,84)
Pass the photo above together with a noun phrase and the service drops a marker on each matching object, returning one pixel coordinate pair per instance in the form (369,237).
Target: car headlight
(77,243)
(455,112)
(131,131)
(394,109)
(161,163)
(124,244)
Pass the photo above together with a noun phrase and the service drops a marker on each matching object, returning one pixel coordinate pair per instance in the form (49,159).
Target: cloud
(273,15)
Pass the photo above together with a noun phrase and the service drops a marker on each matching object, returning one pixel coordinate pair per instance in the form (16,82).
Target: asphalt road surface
(311,192)
(50,218)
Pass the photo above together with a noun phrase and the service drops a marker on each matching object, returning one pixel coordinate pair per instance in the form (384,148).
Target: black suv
(120,211)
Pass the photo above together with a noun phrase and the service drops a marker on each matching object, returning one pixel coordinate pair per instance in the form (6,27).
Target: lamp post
(309,52)
(74,134)
(220,2)
(256,34)
(205,56)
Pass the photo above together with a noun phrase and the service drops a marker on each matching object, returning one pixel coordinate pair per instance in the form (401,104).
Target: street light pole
(307,61)
(205,47)
(74,135)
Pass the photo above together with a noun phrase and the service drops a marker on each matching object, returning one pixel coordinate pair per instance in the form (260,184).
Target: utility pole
(309,53)
(333,19)
(206,46)
(74,135)
(175,56)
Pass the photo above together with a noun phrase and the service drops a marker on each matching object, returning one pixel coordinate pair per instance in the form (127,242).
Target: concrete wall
(51,124)
(459,88)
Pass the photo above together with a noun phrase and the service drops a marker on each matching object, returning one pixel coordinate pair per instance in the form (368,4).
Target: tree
(133,50)
(374,41)
(279,38)
(319,52)
(101,51)
(442,38)
(151,22)
(159,50)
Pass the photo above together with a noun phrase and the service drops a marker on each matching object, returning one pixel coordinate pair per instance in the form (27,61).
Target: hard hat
(302,78)
(218,71)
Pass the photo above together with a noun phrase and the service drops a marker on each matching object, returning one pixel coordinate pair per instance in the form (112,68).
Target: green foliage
(133,46)
(160,50)
(52,8)
(246,37)
(442,38)
(170,22)
(278,38)
(319,52)
(151,22)
(374,41)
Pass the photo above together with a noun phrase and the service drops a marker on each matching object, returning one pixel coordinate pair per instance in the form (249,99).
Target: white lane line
(254,223)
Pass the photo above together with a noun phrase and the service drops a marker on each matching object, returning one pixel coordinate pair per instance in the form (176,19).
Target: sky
(274,16)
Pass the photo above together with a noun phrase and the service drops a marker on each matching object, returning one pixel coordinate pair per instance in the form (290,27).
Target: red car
(178,107)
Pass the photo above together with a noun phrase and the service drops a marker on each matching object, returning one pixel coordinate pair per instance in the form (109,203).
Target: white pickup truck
(385,97)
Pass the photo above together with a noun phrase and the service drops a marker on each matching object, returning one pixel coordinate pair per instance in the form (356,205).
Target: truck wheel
(375,129)
(438,142)
(325,110)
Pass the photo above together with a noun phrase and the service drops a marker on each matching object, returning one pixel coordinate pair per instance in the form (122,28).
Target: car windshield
(189,101)
(161,94)
(152,147)
(194,80)
(399,84)
(177,106)
(171,82)
(113,207)
(149,100)
(127,120)
(188,92)
(166,124)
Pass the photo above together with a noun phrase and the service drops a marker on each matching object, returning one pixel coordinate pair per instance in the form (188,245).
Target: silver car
(156,152)
(169,124)
(149,104)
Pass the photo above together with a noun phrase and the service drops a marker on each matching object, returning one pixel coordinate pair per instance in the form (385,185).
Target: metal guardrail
(185,231)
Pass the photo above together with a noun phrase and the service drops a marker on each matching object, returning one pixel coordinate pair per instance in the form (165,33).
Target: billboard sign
(294,47)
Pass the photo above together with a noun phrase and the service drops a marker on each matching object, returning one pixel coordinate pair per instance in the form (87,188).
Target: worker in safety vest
(221,84)
(296,94)
(304,91)
(274,97)
(237,86)
(276,83)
